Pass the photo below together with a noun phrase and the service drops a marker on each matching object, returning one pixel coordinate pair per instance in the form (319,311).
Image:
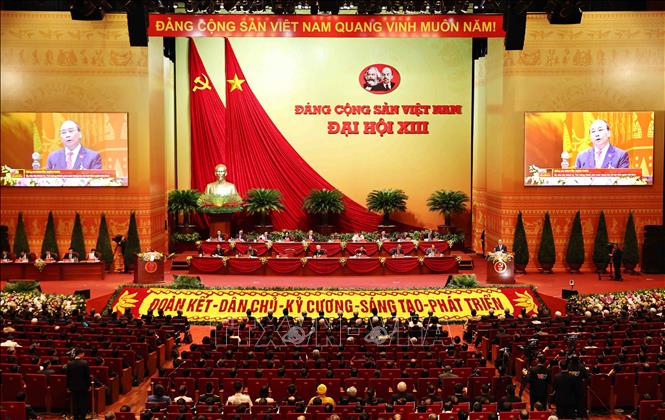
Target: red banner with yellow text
(218,304)
(327,26)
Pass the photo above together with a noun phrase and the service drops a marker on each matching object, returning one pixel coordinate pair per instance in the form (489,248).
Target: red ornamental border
(327,26)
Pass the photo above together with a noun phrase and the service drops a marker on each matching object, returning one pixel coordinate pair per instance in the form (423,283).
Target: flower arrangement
(8,174)
(39,304)
(214,203)
(631,302)
(504,257)
(40,264)
(151,256)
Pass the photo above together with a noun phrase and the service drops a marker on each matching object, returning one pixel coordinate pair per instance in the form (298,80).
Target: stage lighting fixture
(331,6)
(489,6)
(283,7)
(166,6)
(89,9)
(564,12)
(369,7)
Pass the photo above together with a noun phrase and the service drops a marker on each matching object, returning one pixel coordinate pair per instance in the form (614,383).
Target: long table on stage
(53,271)
(332,249)
(323,266)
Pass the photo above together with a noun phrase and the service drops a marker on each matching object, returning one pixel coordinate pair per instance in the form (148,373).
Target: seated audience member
(92,255)
(30,412)
(319,252)
(251,252)
(431,251)
(49,257)
(159,395)
(241,236)
(264,237)
(397,252)
(218,251)
(5,257)
(428,235)
(23,257)
(402,397)
(264,396)
(383,236)
(182,395)
(239,397)
(321,396)
(70,256)
(361,252)
(209,397)
(310,236)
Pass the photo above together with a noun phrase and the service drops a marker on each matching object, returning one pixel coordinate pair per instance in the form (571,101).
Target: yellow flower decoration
(189,259)
(263,260)
(525,300)
(224,260)
(342,261)
(303,261)
(382,260)
(268,244)
(232,244)
(125,301)
(343,245)
(421,260)
(415,243)
(380,245)
(305,245)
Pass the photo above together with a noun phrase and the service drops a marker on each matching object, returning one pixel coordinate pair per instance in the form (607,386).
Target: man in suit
(251,252)
(78,383)
(73,155)
(617,258)
(386,84)
(70,256)
(602,154)
(500,247)
(218,251)
(219,236)
(397,252)
(319,252)
(566,392)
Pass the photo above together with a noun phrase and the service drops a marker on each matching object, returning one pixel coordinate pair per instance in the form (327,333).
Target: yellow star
(236,83)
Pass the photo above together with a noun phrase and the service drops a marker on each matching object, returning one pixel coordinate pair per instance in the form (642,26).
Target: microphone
(36,165)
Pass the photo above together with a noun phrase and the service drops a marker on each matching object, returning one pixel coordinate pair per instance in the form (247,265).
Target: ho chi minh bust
(221,187)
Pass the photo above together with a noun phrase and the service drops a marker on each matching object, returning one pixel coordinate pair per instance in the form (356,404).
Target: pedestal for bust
(219,218)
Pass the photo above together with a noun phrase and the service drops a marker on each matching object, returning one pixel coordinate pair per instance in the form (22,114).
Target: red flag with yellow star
(259,156)
(208,119)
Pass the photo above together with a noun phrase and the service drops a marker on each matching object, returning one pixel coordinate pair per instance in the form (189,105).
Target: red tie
(70,164)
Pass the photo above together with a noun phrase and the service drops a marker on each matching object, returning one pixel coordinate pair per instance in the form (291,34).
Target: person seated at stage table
(286,238)
(384,236)
(49,257)
(403,237)
(310,236)
(431,251)
(92,255)
(251,252)
(397,251)
(218,236)
(240,237)
(334,238)
(319,252)
(264,237)
(70,256)
(429,235)
(357,237)
(218,251)
(361,252)
(23,257)
(5,257)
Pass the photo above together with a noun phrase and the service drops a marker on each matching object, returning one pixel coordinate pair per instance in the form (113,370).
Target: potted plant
(386,201)
(601,253)
(520,246)
(262,202)
(546,251)
(575,250)
(631,253)
(324,203)
(181,204)
(447,203)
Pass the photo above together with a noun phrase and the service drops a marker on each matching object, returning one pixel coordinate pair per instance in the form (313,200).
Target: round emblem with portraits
(500,267)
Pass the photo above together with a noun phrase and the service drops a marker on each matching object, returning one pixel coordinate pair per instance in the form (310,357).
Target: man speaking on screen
(73,155)
(602,154)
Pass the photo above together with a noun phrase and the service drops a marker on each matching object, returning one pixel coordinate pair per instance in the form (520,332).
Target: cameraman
(538,378)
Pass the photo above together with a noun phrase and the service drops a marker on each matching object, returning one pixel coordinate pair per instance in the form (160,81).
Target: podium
(500,270)
(148,272)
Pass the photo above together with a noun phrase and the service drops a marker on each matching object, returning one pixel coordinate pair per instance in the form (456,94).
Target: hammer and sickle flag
(201,82)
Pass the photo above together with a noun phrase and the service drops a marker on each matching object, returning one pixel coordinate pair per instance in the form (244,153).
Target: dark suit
(251,252)
(614,158)
(319,253)
(78,383)
(218,253)
(566,395)
(501,248)
(86,159)
(397,251)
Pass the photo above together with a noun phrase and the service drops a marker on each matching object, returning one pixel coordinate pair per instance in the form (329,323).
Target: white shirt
(75,155)
(599,163)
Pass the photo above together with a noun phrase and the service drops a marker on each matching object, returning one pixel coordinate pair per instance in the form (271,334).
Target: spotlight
(564,12)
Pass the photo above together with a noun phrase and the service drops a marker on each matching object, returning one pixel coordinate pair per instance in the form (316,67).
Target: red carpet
(546,284)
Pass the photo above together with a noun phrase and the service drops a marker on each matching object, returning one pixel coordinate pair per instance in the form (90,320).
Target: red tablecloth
(323,266)
(208,247)
(441,264)
(363,265)
(402,264)
(244,265)
(284,265)
(407,246)
(440,246)
(207,264)
(260,247)
(288,248)
(332,248)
